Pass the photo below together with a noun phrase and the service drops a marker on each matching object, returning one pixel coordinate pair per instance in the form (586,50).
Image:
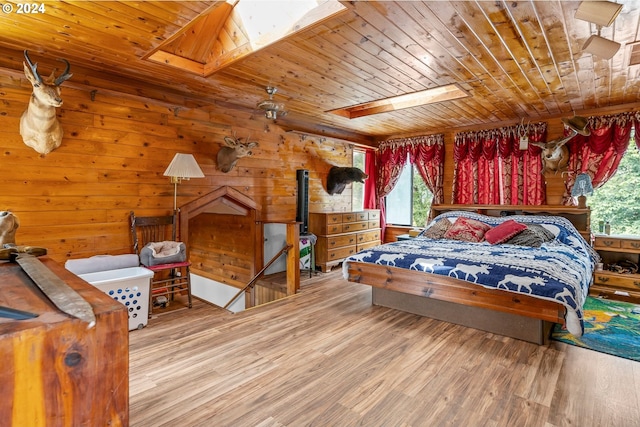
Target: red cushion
(503,232)
(467,229)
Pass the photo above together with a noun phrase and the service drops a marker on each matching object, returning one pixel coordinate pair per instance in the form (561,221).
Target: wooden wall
(76,200)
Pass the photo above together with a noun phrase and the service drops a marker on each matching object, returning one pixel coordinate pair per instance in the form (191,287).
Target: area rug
(611,327)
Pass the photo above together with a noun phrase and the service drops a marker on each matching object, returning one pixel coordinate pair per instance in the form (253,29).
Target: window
(618,200)
(410,200)
(357,189)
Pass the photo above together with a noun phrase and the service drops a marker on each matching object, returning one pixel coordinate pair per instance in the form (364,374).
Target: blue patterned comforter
(559,271)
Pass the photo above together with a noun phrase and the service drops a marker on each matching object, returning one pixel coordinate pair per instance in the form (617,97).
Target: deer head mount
(39,126)
(555,154)
(228,156)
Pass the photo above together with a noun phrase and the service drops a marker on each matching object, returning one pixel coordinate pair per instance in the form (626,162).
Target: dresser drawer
(630,244)
(620,281)
(374,215)
(349,217)
(606,242)
(368,236)
(367,245)
(362,216)
(340,253)
(339,241)
(355,226)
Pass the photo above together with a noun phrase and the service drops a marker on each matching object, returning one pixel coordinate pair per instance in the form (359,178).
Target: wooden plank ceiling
(516,59)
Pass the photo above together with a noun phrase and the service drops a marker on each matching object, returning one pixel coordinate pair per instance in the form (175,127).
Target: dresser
(341,234)
(608,283)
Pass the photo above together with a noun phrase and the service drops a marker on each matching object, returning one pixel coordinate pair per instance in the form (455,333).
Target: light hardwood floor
(326,357)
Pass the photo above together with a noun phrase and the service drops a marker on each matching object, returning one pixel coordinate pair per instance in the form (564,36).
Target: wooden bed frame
(457,301)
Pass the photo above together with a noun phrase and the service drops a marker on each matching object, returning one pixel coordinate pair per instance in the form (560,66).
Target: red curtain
(598,154)
(370,196)
(427,152)
(490,168)
(427,155)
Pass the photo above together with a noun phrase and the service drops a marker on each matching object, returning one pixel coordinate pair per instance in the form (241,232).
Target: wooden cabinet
(610,283)
(56,371)
(341,234)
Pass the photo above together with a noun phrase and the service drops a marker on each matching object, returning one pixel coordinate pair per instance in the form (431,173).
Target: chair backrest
(145,229)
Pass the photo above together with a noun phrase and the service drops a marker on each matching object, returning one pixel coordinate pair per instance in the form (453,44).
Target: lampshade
(601,13)
(599,46)
(184,166)
(582,186)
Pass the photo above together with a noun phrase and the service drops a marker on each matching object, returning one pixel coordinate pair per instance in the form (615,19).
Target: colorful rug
(611,327)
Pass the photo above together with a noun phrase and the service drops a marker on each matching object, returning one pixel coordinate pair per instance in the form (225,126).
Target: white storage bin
(129,286)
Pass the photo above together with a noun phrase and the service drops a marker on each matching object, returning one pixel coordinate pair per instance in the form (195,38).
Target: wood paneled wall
(76,200)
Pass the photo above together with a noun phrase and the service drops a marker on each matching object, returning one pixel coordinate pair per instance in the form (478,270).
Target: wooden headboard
(580,218)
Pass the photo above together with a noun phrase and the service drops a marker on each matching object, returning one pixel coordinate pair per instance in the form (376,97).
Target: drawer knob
(635,245)
(636,283)
(607,242)
(603,279)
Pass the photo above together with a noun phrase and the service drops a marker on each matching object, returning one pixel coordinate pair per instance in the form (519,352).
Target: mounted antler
(555,155)
(39,126)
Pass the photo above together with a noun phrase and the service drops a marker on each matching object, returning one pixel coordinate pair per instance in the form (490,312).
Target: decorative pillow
(534,236)
(467,229)
(156,253)
(437,230)
(504,231)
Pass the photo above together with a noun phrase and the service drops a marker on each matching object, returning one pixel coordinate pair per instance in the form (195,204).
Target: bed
(510,286)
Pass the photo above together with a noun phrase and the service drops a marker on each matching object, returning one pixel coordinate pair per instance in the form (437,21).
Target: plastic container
(129,286)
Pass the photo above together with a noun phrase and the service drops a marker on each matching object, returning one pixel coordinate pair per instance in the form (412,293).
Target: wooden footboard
(454,290)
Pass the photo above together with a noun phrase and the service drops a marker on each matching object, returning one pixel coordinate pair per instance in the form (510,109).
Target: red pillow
(503,232)
(467,229)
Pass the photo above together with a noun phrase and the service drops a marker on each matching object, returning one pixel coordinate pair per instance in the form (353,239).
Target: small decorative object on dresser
(619,278)
(343,234)
(582,188)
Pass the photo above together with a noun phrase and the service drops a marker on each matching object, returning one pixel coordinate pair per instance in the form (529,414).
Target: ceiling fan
(272,109)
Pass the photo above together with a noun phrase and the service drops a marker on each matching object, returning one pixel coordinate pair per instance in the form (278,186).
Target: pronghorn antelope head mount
(39,126)
(555,154)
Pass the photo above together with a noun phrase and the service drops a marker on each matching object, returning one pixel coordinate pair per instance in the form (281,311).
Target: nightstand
(611,284)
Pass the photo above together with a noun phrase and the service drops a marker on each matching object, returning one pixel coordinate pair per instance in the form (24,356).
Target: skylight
(232,30)
(415,99)
(266,22)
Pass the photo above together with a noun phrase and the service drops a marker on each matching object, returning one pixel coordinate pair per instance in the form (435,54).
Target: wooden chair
(169,279)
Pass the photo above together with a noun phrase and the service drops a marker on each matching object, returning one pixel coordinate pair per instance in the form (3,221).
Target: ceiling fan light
(272,110)
(601,13)
(599,46)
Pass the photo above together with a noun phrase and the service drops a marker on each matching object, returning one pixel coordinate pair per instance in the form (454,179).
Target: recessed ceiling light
(415,99)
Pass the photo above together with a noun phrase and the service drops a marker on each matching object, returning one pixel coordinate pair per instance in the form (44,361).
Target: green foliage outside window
(421,200)
(618,200)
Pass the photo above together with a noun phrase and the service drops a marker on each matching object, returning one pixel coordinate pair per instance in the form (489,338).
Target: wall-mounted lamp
(182,167)
(582,188)
(272,109)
